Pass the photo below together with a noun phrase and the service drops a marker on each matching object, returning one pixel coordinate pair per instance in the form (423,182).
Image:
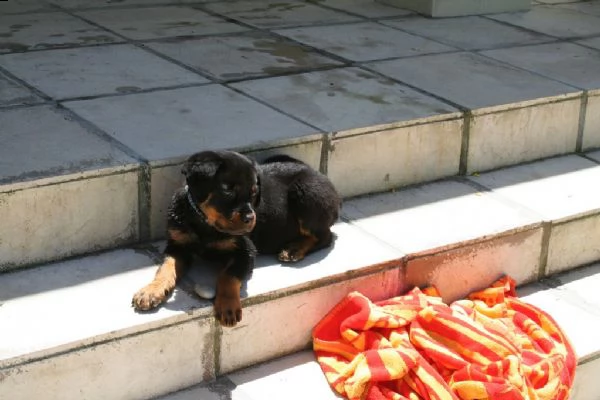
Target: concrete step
(569,297)
(91,149)
(70,322)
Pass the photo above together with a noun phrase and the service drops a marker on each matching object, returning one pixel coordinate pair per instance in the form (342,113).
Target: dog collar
(192,204)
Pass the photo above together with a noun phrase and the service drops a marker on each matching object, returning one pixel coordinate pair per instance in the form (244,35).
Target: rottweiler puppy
(230,209)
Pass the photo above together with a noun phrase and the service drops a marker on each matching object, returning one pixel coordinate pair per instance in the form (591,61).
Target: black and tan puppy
(230,208)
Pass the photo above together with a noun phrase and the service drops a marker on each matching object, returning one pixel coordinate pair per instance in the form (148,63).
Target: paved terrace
(124,90)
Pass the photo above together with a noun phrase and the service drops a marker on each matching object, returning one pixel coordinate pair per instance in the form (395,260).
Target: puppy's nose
(247,217)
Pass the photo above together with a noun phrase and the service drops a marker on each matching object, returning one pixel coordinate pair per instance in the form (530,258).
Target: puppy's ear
(256,200)
(201,167)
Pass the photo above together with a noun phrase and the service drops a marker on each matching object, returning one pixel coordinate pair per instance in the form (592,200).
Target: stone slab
(88,289)
(172,124)
(524,134)
(365,8)
(365,41)
(385,160)
(52,222)
(238,57)
(343,99)
(477,82)
(48,31)
(278,14)
(468,33)
(115,69)
(558,189)
(554,21)
(425,218)
(566,62)
(42,132)
(573,244)
(160,22)
(13,94)
(453,8)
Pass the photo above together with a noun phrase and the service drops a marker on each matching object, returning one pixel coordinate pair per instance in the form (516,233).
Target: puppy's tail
(281,158)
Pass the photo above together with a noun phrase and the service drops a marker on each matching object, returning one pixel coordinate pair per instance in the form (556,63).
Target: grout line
(582,116)
(543,265)
(144,203)
(326,148)
(217,337)
(25,84)
(464,146)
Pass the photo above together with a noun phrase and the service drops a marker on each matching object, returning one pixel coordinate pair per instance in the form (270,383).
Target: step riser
(113,210)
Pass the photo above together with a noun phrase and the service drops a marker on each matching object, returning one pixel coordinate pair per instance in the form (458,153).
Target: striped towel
(489,346)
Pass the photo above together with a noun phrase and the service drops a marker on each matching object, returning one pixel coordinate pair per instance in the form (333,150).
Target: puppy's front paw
(228,310)
(290,255)
(149,297)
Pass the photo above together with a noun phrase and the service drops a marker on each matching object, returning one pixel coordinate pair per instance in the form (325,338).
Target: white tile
(574,243)
(427,217)
(553,21)
(65,219)
(477,82)
(115,69)
(557,189)
(45,148)
(591,129)
(275,379)
(94,291)
(274,332)
(467,33)
(460,271)
(387,159)
(364,41)
(136,367)
(172,124)
(245,56)
(47,31)
(346,98)
(160,22)
(274,14)
(566,62)
(524,134)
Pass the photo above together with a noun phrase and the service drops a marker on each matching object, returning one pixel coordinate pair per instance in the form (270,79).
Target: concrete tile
(574,243)
(388,159)
(160,22)
(524,134)
(48,31)
(65,219)
(586,7)
(172,124)
(45,153)
(587,384)
(364,41)
(343,99)
(46,299)
(12,93)
(245,56)
(592,42)
(278,14)
(23,6)
(558,189)
(139,367)
(553,21)
(262,323)
(274,379)
(83,4)
(591,127)
(566,62)
(467,33)
(579,324)
(477,82)
(478,265)
(365,8)
(166,179)
(116,69)
(425,218)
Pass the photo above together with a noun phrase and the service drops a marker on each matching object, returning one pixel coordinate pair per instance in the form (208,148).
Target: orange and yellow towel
(489,346)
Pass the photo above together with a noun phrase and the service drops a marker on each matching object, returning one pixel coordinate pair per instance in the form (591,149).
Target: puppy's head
(224,187)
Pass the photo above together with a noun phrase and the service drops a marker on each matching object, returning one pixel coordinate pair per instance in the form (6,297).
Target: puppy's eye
(254,190)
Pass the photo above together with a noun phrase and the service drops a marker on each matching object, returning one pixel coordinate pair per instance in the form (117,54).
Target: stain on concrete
(96,38)
(18,27)
(5,35)
(127,89)
(13,47)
